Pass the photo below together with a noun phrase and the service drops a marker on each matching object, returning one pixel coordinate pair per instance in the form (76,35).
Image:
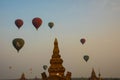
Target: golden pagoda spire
(93,75)
(56,67)
(23,77)
(56,48)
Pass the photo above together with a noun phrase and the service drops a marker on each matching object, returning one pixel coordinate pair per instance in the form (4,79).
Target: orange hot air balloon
(37,22)
(82,40)
(50,24)
(19,23)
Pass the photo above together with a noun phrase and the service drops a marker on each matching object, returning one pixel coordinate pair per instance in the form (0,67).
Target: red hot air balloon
(19,23)
(82,40)
(37,22)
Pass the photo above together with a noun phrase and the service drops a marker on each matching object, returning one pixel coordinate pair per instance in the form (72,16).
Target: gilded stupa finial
(55,43)
(56,49)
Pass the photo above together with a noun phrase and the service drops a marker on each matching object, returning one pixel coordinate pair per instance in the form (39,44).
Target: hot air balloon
(37,22)
(10,67)
(18,43)
(50,24)
(30,69)
(86,57)
(82,40)
(44,67)
(19,23)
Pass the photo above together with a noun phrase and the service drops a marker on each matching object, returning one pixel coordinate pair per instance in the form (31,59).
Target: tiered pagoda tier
(56,69)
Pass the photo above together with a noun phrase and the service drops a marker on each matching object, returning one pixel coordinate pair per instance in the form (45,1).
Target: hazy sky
(98,21)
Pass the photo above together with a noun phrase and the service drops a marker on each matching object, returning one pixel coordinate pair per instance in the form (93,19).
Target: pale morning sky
(98,21)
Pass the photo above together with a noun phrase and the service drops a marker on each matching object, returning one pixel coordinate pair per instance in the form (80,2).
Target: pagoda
(23,77)
(56,69)
(94,77)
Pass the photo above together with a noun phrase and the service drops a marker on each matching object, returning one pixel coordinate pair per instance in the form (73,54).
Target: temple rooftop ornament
(56,69)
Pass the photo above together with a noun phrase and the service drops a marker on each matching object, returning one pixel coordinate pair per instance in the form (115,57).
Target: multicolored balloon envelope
(86,57)
(50,24)
(19,23)
(37,22)
(18,43)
